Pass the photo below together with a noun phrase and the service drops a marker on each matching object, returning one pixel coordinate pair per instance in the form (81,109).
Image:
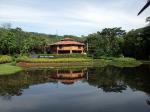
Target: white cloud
(86,16)
(107,18)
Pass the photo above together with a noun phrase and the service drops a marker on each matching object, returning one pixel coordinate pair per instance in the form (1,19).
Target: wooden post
(82,52)
(57,49)
(70,51)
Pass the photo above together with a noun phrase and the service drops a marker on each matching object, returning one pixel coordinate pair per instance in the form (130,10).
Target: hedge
(73,55)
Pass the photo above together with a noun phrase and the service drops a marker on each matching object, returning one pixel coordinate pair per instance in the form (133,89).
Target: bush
(5,59)
(22,59)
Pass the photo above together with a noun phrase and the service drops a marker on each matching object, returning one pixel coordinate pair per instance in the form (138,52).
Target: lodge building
(67,45)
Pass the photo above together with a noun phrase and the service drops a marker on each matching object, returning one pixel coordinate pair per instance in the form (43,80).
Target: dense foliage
(105,43)
(116,42)
(110,42)
(137,43)
(17,41)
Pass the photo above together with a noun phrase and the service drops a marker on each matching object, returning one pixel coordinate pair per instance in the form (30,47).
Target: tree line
(110,42)
(16,41)
(117,42)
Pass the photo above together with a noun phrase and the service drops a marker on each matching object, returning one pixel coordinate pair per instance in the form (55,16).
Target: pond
(85,89)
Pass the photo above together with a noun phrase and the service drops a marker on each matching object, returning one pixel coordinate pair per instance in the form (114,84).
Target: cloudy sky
(74,17)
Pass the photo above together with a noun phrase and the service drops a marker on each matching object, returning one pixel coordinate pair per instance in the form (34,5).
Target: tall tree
(105,42)
(137,43)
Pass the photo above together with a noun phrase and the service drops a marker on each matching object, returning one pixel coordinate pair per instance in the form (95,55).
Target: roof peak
(67,39)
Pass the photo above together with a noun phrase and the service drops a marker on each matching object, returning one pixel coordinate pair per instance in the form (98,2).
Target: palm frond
(146,6)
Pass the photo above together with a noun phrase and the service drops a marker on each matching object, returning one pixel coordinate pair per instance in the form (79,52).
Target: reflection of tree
(13,85)
(109,79)
(112,79)
(138,78)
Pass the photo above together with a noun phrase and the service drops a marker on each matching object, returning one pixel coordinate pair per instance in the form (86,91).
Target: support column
(57,49)
(82,52)
(70,51)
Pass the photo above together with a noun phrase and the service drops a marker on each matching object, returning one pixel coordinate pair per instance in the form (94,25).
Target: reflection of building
(67,45)
(69,76)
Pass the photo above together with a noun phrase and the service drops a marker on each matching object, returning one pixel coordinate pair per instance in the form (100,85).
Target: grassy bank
(8,69)
(119,62)
(26,62)
(124,62)
(47,60)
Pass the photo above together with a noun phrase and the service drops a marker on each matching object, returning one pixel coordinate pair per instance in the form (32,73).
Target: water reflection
(109,79)
(69,76)
(95,83)
(14,84)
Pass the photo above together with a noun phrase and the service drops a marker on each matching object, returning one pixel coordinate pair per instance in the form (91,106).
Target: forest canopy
(109,42)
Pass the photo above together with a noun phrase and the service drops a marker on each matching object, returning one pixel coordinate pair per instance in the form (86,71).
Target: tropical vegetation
(109,42)
(114,42)
(5,59)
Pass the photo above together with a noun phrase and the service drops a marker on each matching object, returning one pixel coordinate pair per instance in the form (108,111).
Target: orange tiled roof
(68,41)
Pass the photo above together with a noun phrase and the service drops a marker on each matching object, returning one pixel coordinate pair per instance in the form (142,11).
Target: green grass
(124,62)
(119,61)
(46,60)
(8,69)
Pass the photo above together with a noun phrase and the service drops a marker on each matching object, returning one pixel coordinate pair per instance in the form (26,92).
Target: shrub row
(73,55)
(5,59)
(46,60)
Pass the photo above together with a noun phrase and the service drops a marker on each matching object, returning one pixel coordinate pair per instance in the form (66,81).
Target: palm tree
(146,6)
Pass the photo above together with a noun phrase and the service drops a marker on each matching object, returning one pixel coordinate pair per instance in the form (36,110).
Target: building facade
(67,45)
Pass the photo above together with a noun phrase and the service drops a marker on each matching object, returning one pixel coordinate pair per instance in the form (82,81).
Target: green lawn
(118,62)
(124,62)
(8,69)
(46,60)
